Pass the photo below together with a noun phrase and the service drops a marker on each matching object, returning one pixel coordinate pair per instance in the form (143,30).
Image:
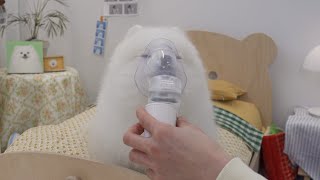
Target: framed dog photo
(24,57)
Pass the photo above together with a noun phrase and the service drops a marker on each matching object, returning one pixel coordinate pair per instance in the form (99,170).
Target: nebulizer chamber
(161,77)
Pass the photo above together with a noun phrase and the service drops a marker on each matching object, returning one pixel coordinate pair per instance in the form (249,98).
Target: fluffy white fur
(119,96)
(25,59)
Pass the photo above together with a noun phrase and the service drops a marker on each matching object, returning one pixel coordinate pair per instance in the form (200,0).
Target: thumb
(182,122)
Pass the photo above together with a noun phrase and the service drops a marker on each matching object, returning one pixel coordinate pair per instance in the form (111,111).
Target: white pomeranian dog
(119,97)
(25,59)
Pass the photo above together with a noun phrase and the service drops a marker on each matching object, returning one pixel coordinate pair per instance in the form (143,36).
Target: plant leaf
(55,23)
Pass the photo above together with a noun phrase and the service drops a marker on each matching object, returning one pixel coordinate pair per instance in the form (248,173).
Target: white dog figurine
(119,97)
(25,59)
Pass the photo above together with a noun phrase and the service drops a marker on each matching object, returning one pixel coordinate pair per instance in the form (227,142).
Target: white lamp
(312,63)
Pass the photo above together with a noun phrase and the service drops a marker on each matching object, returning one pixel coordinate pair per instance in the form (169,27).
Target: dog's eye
(21,52)
(28,53)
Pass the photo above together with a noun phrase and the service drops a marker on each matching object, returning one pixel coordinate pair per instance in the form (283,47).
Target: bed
(243,62)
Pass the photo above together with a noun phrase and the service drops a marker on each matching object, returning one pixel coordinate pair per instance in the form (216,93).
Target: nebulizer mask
(160,76)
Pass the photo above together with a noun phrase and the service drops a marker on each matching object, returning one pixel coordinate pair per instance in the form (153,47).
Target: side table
(302,142)
(29,100)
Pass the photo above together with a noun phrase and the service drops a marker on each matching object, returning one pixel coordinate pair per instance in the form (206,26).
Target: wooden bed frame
(243,62)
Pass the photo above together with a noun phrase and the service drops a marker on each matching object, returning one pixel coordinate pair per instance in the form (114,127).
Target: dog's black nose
(25,56)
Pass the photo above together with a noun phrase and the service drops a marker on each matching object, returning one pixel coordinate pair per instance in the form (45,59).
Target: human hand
(174,153)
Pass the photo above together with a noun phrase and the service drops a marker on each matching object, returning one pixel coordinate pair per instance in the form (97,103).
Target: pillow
(224,91)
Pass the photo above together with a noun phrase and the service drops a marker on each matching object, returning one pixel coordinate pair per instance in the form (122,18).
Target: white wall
(293,24)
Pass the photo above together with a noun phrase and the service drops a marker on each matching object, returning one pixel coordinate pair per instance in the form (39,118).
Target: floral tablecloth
(31,100)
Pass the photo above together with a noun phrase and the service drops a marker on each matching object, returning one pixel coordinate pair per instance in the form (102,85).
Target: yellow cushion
(224,91)
(245,110)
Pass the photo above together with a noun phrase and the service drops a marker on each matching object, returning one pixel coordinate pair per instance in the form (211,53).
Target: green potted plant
(52,22)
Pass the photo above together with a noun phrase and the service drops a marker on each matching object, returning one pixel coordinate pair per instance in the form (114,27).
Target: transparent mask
(160,75)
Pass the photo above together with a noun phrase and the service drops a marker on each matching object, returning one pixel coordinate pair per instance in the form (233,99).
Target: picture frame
(100,37)
(113,8)
(54,64)
(24,57)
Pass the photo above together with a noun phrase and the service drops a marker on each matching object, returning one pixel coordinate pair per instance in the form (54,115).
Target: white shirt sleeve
(237,170)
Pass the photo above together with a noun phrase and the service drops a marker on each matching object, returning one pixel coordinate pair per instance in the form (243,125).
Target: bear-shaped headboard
(242,62)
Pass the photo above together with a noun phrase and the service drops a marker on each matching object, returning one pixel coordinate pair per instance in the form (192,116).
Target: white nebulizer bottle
(161,77)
